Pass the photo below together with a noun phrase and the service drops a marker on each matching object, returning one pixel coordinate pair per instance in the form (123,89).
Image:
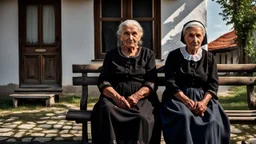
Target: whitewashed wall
(77,35)
(9,52)
(175,13)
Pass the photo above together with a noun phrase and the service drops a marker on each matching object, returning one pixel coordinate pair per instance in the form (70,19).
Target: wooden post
(250,97)
(57,98)
(84,133)
(15,102)
(47,102)
(84,98)
(51,101)
(250,94)
(83,106)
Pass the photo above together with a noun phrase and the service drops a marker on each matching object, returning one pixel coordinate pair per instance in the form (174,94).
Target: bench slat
(96,68)
(78,115)
(235,118)
(236,67)
(241,114)
(240,111)
(243,118)
(92,80)
(35,96)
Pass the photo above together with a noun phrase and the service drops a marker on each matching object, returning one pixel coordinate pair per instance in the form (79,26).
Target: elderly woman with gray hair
(190,111)
(128,109)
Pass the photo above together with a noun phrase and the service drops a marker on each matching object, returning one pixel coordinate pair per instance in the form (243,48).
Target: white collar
(196,57)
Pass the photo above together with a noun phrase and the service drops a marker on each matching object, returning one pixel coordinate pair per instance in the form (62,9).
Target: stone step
(49,98)
(39,90)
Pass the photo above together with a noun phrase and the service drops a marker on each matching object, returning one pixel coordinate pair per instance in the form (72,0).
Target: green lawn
(237,99)
(6,104)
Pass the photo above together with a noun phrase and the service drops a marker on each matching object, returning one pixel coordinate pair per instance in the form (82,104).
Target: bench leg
(84,133)
(57,98)
(51,101)
(47,102)
(15,102)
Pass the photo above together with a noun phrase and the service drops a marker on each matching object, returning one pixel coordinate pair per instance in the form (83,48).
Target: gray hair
(128,23)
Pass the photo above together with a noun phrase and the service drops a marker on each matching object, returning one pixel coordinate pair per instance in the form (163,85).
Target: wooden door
(40,43)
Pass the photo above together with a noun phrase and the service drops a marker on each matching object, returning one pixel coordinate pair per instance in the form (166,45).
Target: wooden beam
(161,80)
(95,68)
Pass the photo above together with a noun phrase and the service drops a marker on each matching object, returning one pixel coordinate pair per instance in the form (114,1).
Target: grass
(237,99)
(6,104)
(25,116)
(75,100)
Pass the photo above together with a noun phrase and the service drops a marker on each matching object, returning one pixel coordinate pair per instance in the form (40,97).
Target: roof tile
(225,41)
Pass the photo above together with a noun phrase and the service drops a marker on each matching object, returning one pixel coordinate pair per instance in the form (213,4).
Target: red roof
(224,42)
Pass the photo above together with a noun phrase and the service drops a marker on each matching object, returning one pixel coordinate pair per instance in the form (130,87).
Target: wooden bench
(49,98)
(235,116)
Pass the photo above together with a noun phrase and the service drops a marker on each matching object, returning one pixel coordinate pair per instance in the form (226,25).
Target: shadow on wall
(70,90)
(173,20)
(171,44)
(180,10)
(6,90)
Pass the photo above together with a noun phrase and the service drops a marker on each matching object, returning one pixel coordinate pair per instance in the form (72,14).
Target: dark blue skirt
(181,126)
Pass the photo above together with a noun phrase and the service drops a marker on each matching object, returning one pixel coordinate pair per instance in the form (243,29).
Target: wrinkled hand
(121,102)
(134,98)
(199,108)
(190,104)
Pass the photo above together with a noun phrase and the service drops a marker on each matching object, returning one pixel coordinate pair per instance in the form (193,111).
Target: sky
(215,25)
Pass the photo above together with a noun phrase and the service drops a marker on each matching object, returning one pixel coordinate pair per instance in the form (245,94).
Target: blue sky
(215,25)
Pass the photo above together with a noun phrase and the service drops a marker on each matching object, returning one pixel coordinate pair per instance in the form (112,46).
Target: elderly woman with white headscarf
(190,111)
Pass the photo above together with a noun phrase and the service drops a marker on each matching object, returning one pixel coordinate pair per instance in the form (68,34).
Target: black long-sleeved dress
(111,124)
(194,75)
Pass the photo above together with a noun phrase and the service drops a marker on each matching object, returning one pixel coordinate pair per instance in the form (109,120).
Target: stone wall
(6,90)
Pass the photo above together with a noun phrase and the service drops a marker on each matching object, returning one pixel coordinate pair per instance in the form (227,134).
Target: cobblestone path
(49,126)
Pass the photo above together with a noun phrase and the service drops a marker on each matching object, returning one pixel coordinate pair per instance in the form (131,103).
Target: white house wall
(77,25)
(77,35)
(9,52)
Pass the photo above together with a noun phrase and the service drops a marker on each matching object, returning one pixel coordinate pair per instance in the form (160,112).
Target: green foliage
(242,14)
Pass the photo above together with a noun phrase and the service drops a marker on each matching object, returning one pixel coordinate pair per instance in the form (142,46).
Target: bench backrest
(238,74)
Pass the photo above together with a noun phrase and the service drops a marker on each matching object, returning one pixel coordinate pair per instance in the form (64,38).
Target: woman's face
(130,36)
(194,37)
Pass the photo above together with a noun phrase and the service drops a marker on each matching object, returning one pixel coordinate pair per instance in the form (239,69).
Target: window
(110,13)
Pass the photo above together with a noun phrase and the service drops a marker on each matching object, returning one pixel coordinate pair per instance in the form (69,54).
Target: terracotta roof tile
(225,41)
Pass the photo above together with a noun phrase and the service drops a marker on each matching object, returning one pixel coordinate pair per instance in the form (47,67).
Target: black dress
(111,124)
(194,78)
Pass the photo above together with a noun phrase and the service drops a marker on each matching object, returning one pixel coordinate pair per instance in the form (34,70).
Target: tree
(242,14)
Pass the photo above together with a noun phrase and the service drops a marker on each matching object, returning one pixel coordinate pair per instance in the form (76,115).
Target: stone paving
(49,126)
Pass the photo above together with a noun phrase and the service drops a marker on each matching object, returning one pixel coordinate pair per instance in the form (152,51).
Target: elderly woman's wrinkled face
(130,36)
(194,37)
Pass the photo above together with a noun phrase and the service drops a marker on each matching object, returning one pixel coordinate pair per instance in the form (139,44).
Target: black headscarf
(204,42)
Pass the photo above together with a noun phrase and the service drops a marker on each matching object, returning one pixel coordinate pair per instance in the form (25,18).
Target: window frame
(39,3)
(126,13)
